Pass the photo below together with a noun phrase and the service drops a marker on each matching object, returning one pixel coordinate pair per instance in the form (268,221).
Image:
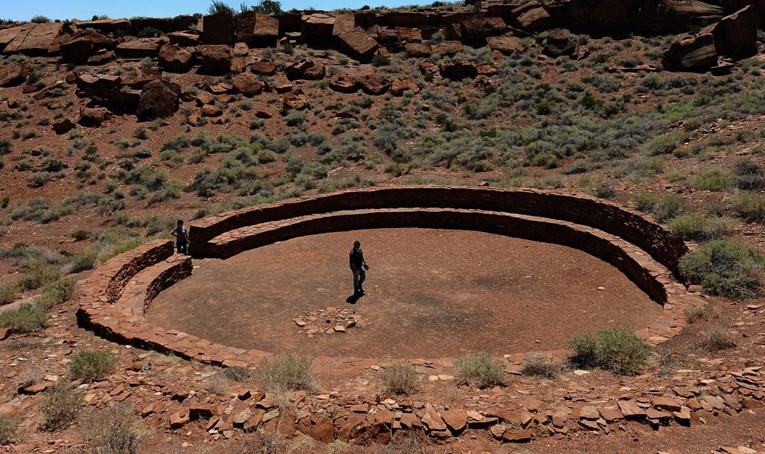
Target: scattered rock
(215,59)
(247,84)
(12,74)
(63,126)
(174,58)
(158,100)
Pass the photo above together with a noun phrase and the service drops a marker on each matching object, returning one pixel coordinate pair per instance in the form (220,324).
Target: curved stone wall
(583,210)
(115,298)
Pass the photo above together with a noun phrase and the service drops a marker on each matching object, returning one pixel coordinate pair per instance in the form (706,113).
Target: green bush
(39,274)
(712,179)
(286,373)
(400,379)
(92,365)
(8,430)
(8,293)
(541,366)
(700,228)
(666,143)
(750,206)
(58,292)
(716,339)
(60,408)
(115,430)
(480,370)
(26,319)
(667,207)
(726,268)
(236,374)
(617,350)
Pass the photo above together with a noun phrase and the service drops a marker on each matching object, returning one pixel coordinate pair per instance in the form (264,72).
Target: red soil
(430,294)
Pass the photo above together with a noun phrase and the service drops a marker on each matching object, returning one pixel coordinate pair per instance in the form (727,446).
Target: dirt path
(430,293)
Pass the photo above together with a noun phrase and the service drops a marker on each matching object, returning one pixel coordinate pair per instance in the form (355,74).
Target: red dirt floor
(430,294)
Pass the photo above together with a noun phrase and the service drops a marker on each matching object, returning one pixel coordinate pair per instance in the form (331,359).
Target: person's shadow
(353,299)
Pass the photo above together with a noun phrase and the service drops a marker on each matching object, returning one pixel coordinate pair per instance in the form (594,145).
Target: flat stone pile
(331,320)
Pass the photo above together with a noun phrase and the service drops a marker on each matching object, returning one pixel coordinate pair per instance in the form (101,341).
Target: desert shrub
(409,443)
(712,179)
(665,143)
(115,430)
(695,314)
(617,350)
(644,201)
(748,175)
(715,339)
(8,430)
(8,293)
(541,366)
(699,227)
(60,408)
(263,442)
(57,292)
(400,379)
(39,274)
(286,373)
(750,206)
(92,365)
(726,268)
(236,374)
(39,19)
(479,370)
(667,207)
(26,319)
(80,235)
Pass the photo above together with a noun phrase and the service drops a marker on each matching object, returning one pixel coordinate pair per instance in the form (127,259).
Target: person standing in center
(358,268)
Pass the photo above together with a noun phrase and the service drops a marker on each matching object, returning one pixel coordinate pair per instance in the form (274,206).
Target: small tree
(268,7)
(219,6)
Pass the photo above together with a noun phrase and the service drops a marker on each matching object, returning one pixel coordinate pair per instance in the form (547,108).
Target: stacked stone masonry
(115,298)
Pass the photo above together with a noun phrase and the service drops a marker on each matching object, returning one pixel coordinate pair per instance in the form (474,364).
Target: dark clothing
(181,240)
(356,259)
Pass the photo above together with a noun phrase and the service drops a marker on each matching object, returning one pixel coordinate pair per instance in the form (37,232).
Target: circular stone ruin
(453,270)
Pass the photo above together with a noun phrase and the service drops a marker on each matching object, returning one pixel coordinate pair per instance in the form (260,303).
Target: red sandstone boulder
(63,126)
(175,59)
(139,48)
(78,48)
(534,19)
(305,69)
(263,67)
(214,59)
(458,69)
(13,73)
(266,30)
(218,29)
(418,50)
(691,53)
(247,84)
(736,35)
(94,117)
(358,44)
(245,24)
(343,82)
(37,41)
(558,43)
(296,99)
(318,25)
(344,23)
(479,28)
(158,100)
(183,39)
(373,83)
(448,48)
(507,44)
(399,87)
